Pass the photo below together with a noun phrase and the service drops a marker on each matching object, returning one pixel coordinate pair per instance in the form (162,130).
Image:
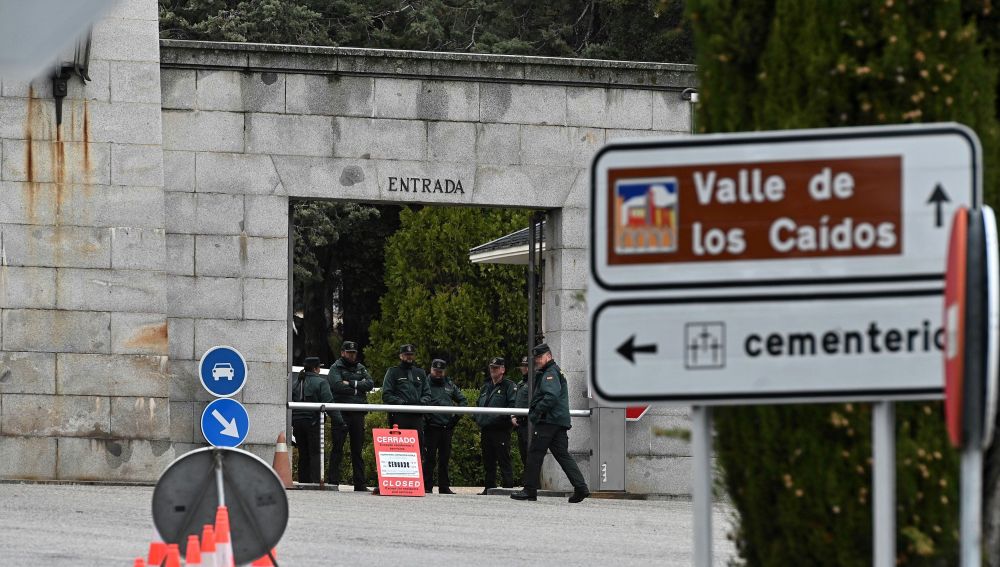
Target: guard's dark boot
(376,491)
(428,489)
(578,495)
(361,489)
(525,494)
(486,491)
(445,490)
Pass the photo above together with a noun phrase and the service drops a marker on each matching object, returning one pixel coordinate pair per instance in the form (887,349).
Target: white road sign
(857,346)
(780,208)
(778,266)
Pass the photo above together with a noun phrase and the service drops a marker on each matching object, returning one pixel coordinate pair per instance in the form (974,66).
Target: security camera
(690,94)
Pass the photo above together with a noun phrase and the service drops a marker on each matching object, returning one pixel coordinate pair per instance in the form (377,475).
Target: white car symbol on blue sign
(225,423)
(223,371)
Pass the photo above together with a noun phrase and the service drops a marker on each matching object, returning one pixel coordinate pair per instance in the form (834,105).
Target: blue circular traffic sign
(223,371)
(225,423)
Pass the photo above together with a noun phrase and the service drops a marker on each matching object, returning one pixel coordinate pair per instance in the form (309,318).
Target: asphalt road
(51,525)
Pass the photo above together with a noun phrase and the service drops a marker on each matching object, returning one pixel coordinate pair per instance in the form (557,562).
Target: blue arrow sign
(223,371)
(225,423)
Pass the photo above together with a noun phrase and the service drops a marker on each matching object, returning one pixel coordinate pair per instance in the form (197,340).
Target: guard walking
(350,383)
(497,392)
(440,428)
(549,414)
(309,386)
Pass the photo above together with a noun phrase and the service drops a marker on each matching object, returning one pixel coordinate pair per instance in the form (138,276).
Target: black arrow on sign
(938,198)
(628,349)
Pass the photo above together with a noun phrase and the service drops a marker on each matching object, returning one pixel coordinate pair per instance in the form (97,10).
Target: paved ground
(73,525)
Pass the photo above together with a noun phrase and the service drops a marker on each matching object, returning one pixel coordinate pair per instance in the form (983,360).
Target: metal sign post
(884,481)
(701,451)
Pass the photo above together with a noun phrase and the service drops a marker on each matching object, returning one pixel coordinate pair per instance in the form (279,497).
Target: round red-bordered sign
(954,324)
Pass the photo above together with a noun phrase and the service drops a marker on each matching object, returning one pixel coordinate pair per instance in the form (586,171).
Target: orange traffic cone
(157,551)
(173,555)
(192,555)
(223,544)
(282,464)
(264,560)
(208,545)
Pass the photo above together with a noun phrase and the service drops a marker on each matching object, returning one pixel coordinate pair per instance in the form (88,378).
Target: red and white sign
(397,458)
(635,413)
(954,324)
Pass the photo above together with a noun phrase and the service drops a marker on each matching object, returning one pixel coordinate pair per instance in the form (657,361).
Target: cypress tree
(800,476)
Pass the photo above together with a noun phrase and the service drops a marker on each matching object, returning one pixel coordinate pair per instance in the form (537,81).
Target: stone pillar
(227,242)
(83,381)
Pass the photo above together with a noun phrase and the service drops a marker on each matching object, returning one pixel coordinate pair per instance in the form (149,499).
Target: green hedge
(466,456)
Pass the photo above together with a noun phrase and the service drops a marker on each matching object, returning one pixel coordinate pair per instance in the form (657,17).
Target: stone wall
(84,382)
(246,127)
(127,250)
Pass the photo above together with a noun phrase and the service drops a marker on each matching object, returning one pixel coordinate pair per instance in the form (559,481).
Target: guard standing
(497,392)
(309,386)
(407,385)
(440,427)
(521,423)
(350,383)
(549,413)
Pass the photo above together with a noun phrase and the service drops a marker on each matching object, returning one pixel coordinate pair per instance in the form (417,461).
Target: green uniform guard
(549,415)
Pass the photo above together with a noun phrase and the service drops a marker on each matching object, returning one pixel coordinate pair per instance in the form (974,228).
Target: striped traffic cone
(173,555)
(265,560)
(281,463)
(223,543)
(192,555)
(157,551)
(208,555)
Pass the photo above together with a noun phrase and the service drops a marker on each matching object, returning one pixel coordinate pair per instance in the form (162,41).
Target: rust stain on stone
(31,189)
(86,138)
(153,337)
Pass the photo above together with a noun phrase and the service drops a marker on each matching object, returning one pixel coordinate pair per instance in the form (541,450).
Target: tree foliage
(337,271)
(652,30)
(775,64)
(448,307)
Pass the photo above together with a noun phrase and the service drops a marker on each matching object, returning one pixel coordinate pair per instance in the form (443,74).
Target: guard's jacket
(311,387)
(500,395)
(550,404)
(406,385)
(521,399)
(359,382)
(444,392)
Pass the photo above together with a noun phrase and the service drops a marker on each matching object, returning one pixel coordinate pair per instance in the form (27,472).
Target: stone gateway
(152,224)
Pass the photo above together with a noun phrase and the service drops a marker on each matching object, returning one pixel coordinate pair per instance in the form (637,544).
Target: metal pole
(464,410)
(701,446)
(531,315)
(970,507)
(322,446)
(884,480)
(218,478)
